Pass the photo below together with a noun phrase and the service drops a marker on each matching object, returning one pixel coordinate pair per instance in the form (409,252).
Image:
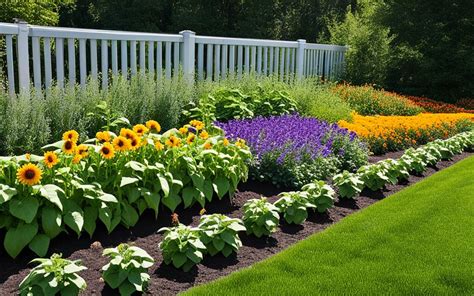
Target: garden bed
(166,280)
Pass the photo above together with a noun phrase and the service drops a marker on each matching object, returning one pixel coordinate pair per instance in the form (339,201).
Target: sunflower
(107,151)
(127,133)
(199,125)
(204,135)
(71,135)
(103,136)
(122,144)
(50,159)
(190,138)
(173,142)
(225,142)
(29,174)
(82,150)
(183,130)
(76,159)
(159,146)
(208,145)
(135,143)
(153,125)
(69,147)
(140,129)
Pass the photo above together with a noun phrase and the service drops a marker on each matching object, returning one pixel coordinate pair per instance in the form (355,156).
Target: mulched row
(166,280)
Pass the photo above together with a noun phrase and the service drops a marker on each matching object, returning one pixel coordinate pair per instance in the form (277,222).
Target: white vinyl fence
(70,55)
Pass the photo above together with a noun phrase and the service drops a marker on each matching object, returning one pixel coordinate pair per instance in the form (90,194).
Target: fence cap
(301,40)
(187,32)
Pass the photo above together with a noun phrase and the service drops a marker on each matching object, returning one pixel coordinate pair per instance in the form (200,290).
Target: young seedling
(293,205)
(349,184)
(320,194)
(260,217)
(54,276)
(127,269)
(219,233)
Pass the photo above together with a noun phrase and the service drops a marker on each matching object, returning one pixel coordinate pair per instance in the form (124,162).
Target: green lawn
(419,241)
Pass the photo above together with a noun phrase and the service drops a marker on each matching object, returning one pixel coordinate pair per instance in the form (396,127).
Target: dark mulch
(166,280)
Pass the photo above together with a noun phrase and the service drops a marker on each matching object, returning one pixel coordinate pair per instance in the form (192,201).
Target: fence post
(189,43)
(300,58)
(23,56)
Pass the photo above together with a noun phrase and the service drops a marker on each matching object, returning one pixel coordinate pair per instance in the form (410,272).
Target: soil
(166,280)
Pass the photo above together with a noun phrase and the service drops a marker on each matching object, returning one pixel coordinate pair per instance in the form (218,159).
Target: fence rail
(47,54)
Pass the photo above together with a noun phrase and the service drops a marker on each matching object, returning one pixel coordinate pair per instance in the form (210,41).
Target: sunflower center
(105,150)
(68,145)
(30,174)
(50,159)
(134,142)
(120,143)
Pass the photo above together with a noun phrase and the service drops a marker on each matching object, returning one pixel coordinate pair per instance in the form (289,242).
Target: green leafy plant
(182,246)
(127,269)
(219,233)
(415,159)
(54,276)
(260,217)
(293,205)
(108,117)
(320,194)
(395,170)
(374,176)
(227,103)
(72,192)
(349,184)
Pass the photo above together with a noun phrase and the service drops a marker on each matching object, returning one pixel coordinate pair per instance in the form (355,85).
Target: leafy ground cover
(393,133)
(366,100)
(416,241)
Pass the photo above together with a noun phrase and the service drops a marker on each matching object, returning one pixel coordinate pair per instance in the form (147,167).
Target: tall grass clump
(29,121)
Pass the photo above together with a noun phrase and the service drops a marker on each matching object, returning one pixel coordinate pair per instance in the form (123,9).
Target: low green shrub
(349,184)
(229,103)
(374,176)
(127,269)
(182,246)
(320,194)
(293,205)
(366,100)
(30,122)
(260,217)
(54,276)
(219,233)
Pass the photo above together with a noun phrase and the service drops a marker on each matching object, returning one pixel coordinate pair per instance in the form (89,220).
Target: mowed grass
(419,241)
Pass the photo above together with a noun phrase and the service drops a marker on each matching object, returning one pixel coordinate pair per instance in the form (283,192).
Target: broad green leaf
(50,192)
(188,195)
(221,186)
(105,215)
(75,220)
(152,200)
(24,207)
(40,244)
(127,181)
(171,201)
(19,237)
(51,221)
(6,193)
(164,185)
(129,215)
(90,218)
(179,259)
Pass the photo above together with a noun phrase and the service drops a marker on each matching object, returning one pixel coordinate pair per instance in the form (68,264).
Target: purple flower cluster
(289,136)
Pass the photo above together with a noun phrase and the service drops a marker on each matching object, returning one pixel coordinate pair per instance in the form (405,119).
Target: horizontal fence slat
(215,57)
